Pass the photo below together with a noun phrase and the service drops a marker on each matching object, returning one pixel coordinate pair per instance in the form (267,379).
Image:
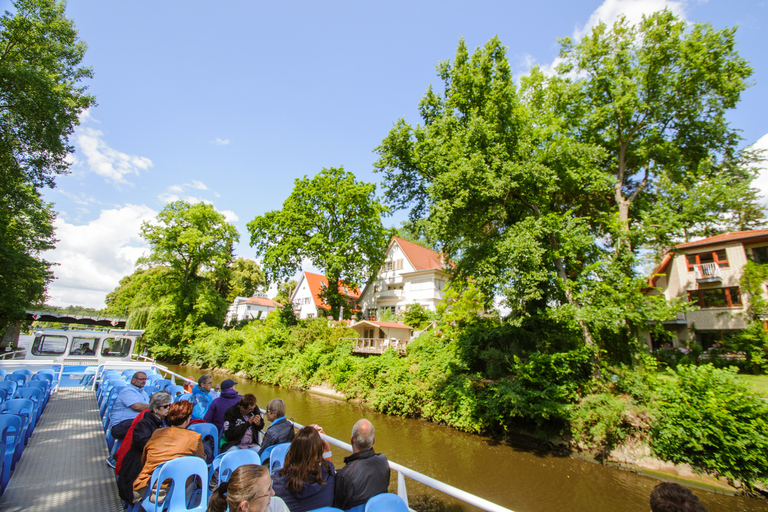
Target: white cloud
(230,216)
(80,198)
(106,161)
(93,257)
(175,188)
(197,184)
(220,142)
(761,182)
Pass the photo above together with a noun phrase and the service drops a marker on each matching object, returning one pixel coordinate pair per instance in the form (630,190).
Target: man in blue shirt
(131,400)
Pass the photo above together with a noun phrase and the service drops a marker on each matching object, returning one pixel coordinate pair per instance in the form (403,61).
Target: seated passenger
(131,400)
(365,474)
(242,424)
(249,489)
(202,396)
(281,430)
(129,456)
(228,398)
(672,497)
(168,443)
(306,480)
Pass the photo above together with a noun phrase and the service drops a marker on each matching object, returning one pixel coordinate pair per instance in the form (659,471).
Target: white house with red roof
(410,274)
(306,298)
(376,337)
(707,273)
(256,307)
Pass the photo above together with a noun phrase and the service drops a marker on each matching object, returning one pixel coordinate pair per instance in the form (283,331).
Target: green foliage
(245,279)
(416,316)
(331,219)
(600,422)
(286,315)
(285,290)
(42,97)
(753,342)
(753,278)
(709,419)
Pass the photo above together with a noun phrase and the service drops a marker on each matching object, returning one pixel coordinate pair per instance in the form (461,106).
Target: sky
(230,102)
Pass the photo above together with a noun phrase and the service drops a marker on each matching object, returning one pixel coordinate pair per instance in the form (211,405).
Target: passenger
(131,400)
(672,497)
(306,480)
(202,396)
(280,430)
(242,424)
(168,443)
(249,489)
(219,406)
(365,473)
(129,464)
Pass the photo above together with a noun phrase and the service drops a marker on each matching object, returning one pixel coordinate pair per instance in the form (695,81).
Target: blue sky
(229,102)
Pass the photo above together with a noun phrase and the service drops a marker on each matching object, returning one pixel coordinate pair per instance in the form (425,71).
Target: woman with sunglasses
(136,438)
(249,489)
(306,480)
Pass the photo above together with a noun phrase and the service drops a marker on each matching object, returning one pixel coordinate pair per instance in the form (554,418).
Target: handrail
(403,471)
(12,354)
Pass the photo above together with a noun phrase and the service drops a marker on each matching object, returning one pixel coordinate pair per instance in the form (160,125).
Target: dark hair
(672,497)
(204,378)
(247,401)
(240,487)
(179,413)
(304,460)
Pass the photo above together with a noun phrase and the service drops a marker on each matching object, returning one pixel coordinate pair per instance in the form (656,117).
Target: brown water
(520,479)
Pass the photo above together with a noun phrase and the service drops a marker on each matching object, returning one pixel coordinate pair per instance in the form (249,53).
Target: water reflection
(520,479)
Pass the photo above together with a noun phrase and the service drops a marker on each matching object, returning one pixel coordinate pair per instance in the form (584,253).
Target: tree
(331,219)
(246,277)
(654,97)
(188,237)
(41,97)
(284,291)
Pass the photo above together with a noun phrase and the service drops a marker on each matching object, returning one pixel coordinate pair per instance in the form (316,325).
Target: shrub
(600,422)
(710,420)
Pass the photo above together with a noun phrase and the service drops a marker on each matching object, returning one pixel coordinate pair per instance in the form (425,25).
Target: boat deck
(63,468)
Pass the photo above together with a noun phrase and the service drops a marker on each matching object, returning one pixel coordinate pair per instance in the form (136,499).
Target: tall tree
(41,97)
(246,277)
(331,219)
(654,96)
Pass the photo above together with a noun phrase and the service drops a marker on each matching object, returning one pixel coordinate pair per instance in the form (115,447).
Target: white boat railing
(13,355)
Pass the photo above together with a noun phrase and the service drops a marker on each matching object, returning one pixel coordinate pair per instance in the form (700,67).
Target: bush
(710,420)
(600,422)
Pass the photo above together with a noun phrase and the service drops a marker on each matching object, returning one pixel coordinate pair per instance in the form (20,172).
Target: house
(256,307)
(306,298)
(707,273)
(411,274)
(376,337)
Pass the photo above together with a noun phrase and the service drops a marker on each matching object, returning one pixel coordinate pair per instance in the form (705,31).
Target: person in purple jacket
(219,406)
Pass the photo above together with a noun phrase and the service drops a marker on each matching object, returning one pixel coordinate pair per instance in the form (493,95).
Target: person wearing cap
(219,406)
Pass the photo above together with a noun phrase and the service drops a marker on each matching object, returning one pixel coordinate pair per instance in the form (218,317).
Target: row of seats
(23,398)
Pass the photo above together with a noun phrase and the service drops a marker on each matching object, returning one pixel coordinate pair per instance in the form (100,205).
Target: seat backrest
(386,502)
(163,383)
(31,393)
(10,430)
(175,390)
(42,385)
(233,460)
(19,407)
(127,375)
(207,430)
(185,396)
(10,387)
(18,378)
(277,457)
(23,371)
(3,373)
(178,471)
(150,389)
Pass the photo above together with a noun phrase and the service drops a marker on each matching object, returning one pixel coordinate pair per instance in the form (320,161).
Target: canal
(521,479)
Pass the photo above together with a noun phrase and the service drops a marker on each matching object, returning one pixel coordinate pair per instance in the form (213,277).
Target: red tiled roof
(661,269)
(420,257)
(262,301)
(726,237)
(385,324)
(316,284)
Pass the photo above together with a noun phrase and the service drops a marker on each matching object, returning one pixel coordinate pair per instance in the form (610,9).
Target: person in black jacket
(242,424)
(365,474)
(280,431)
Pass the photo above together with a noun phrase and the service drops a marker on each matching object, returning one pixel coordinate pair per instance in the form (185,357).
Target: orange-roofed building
(707,273)
(410,274)
(306,298)
(250,308)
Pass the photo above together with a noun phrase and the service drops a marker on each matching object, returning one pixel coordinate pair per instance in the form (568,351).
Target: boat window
(116,347)
(48,345)
(83,346)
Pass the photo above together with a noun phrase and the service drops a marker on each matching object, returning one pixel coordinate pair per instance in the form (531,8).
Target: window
(720,257)
(47,345)
(311,315)
(116,347)
(392,265)
(83,346)
(716,297)
(760,254)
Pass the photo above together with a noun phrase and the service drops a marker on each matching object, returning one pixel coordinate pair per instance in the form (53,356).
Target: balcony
(377,345)
(387,294)
(707,273)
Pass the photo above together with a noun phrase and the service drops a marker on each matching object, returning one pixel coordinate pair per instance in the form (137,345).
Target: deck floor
(63,468)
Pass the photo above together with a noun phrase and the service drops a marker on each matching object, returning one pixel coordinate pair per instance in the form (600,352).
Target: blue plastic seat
(208,430)
(327,509)
(178,471)
(127,375)
(43,386)
(149,390)
(10,387)
(3,395)
(386,502)
(23,408)
(233,460)
(106,406)
(175,390)
(277,457)
(11,430)
(36,395)
(163,383)
(3,373)
(152,378)
(185,396)
(19,378)
(23,371)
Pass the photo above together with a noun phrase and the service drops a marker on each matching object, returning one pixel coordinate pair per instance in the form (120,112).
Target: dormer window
(720,257)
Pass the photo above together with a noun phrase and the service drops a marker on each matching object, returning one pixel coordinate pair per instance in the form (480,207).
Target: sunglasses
(164,406)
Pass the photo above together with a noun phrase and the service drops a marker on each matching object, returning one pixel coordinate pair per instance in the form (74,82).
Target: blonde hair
(242,486)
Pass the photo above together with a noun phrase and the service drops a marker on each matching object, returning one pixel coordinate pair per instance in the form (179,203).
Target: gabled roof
(420,257)
(397,325)
(735,236)
(318,282)
(262,301)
